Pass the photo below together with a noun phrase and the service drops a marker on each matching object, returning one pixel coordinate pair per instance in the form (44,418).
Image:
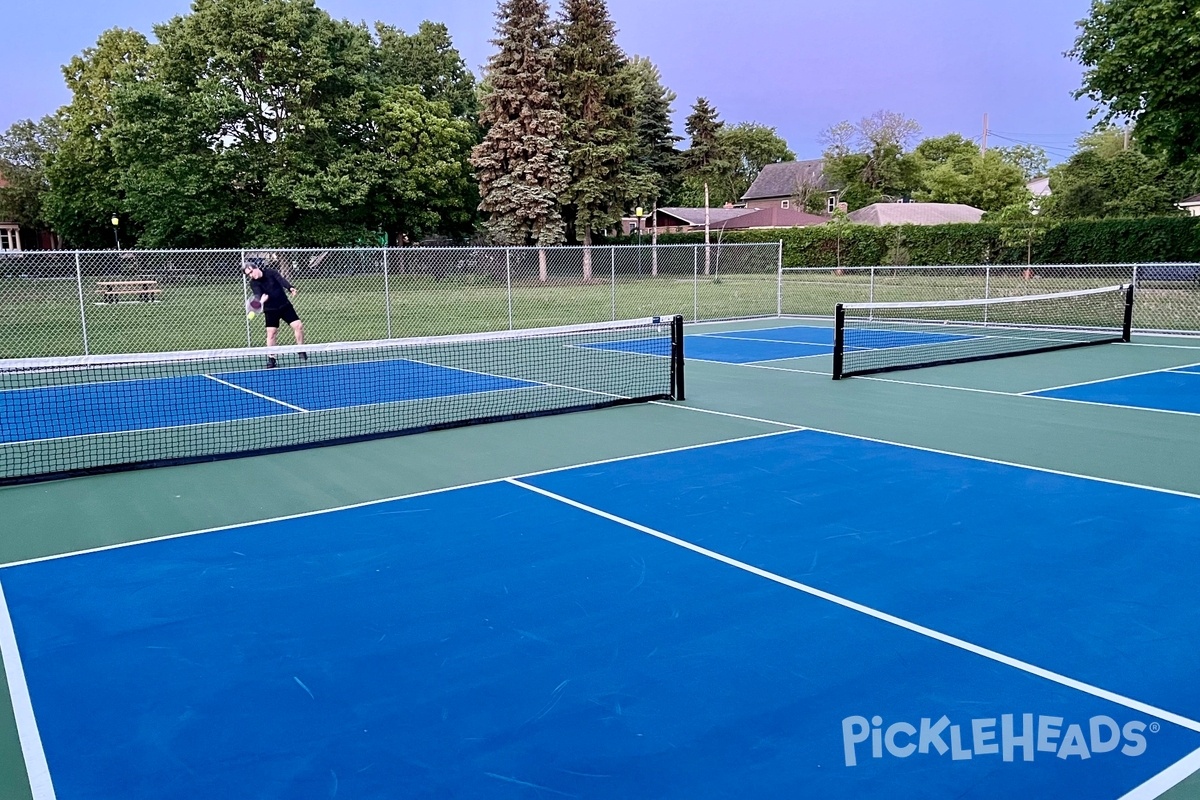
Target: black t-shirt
(274,286)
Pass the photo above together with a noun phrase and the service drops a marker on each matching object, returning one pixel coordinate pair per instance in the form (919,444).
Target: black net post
(677,392)
(1127,327)
(839,329)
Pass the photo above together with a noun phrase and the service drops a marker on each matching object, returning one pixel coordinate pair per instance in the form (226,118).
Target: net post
(839,328)
(1127,325)
(677,392)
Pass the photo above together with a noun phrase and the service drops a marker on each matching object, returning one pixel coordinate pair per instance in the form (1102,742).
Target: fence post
(987,289)
(508,278)
(245,292)
(612,267)
(387,294)
(779,281)
(695,283)
(82,307)
(871,292)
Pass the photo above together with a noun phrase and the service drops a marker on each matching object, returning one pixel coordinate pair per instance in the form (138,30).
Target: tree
(749,147)
(869,160)
(599,134)
(1105,179)
(521,161)
(428,60)
(25,149)
(84,179)
(1028,158)
(953,171)
(706,158)
(1142,63)
(654,162)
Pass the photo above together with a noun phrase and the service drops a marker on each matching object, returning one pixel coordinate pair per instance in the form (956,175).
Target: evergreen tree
(706,158)
(598,105)
(520,164)
(654,162)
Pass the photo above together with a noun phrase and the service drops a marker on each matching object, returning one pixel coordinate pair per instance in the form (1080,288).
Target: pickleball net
(881,337)
(77,415)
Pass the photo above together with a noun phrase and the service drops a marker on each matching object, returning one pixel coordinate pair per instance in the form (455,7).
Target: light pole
(639,212)
(116,221)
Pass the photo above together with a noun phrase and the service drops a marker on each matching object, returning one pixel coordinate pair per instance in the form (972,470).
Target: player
(273,290)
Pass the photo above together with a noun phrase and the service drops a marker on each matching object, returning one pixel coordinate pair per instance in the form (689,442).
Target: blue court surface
(776,344)
(790,615)
(80,410)
(1169,390)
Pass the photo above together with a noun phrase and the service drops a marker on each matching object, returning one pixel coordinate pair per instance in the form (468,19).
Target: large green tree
(706,158)
(521,161)
(869,161)
(84,176)
(952,170)
(429,61)
(750,147)
(1111,176)
(1142,63)
(599,135)
(25,149)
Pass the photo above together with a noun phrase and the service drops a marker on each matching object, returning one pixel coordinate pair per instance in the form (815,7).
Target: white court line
(304,514)
(1113,378)
(36,766)
(1047,470)
(953,641)
(256,394)
(1168,778)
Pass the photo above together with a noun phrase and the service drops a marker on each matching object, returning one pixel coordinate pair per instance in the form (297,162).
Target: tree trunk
(587,254)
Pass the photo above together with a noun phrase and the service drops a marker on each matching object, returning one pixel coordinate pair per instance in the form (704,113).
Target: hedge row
(1107,241)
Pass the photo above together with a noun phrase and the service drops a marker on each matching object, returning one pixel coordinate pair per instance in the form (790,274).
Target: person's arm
(256,290)
(287,285)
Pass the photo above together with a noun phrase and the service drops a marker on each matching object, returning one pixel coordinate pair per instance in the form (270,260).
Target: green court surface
(981,410)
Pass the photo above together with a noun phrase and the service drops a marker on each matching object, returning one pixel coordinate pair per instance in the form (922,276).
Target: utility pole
(983,144)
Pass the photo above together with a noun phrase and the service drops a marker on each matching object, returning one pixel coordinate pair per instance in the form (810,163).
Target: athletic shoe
(270,362)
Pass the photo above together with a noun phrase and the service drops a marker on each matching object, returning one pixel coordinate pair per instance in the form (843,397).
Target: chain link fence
(1167,294)
(138,301)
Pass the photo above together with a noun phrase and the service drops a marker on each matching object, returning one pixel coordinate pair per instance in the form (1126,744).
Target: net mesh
(880,337)
(73,415)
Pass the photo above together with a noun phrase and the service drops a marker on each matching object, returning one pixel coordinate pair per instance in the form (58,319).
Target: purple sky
(796,65)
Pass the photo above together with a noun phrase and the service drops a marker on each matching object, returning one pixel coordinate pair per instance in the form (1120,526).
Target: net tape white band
(988,301)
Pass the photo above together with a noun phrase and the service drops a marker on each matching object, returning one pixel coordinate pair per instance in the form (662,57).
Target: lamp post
(116,221)
(639,212)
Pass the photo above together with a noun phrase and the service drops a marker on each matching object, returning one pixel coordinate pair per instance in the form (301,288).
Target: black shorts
(287,314)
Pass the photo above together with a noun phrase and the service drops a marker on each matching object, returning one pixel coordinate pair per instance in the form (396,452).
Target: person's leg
(272,335)
(298,329)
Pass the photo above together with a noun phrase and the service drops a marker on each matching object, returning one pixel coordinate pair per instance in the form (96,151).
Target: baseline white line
(1168,778)
(256,394)
(1113,378)
(36,766)
(380,501)
(953,641)
(1047,470)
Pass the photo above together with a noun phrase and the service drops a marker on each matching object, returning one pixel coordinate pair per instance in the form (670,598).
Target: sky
(799,66)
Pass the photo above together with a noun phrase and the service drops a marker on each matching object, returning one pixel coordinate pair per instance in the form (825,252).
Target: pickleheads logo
(1026,734)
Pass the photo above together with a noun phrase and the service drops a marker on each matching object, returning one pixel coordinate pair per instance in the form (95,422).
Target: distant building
(10,232)
(1191,205)
(772,218)
(676,219)
(915,214)
(784,184)
(1039,188)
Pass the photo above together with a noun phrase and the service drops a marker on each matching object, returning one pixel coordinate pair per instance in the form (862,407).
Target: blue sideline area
(51,412)
(1171,390)
(494,641)
(777,344)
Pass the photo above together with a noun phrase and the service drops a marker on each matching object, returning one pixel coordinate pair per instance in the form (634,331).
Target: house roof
(784,178)
(1194,200)
(1039,187)
(773,218)
(915,214)
(695,216)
